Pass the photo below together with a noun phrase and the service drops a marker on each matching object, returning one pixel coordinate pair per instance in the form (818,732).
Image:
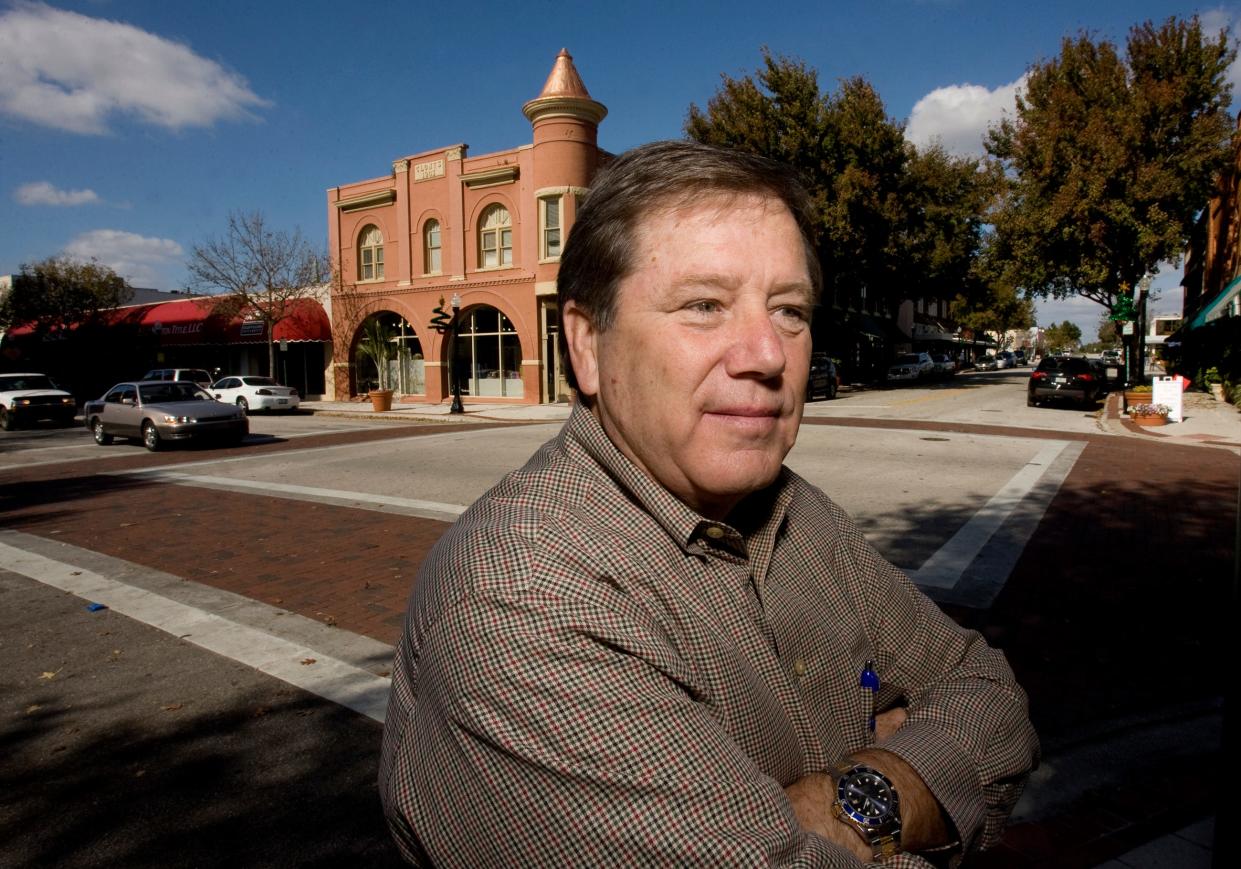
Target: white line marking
(944,568)
(449,510)
(328,677)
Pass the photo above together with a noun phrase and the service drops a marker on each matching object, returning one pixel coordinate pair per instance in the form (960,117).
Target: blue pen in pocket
(869,681)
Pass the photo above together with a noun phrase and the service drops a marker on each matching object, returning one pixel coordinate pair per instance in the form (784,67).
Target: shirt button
(799,668)
(715,532)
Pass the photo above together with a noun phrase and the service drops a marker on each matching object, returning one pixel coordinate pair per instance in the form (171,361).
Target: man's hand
(887,723)
(812,799)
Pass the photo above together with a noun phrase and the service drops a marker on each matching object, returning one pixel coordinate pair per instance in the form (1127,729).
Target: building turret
(566,126)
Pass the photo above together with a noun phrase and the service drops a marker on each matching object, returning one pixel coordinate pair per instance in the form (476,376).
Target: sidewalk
(428,412)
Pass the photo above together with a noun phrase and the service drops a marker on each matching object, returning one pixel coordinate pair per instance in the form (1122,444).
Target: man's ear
(582,338)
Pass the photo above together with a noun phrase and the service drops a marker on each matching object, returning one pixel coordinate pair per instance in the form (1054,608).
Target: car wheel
(6,420)
(831,391)
(150,436)
(101,437)
(243,404)
(1031,401)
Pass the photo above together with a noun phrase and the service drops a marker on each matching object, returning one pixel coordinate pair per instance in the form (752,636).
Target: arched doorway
(488,356)
(387,354)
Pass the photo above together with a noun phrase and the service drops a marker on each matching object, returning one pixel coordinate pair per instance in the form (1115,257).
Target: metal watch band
(885,839)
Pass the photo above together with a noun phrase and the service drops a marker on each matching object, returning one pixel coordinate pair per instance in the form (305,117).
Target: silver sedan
(160,411)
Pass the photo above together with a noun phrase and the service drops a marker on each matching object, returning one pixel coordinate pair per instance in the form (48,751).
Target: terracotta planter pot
(1217,391)
(381,399)
(1152,419)
(1137,398)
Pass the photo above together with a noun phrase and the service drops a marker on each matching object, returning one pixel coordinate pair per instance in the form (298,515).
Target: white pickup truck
(26,398)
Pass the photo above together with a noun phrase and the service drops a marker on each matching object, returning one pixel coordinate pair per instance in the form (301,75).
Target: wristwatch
(867,800)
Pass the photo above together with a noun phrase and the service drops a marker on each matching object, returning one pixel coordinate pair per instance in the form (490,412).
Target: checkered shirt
(593,674)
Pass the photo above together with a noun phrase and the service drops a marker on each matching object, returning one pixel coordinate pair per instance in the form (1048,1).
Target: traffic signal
(442,320)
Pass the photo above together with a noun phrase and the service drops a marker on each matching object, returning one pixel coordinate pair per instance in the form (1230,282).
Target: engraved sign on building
(430,169)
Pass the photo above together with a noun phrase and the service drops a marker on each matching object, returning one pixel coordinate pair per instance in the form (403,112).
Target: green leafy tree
(1111,158)
(1108,334)
(53,294)
(262,272)
(892,221)
(1063,336)
(1000,309)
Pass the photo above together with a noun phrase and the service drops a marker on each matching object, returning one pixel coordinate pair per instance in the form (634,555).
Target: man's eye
(793,314)
(704,306)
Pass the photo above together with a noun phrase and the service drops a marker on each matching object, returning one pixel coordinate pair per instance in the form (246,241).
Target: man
(654,645)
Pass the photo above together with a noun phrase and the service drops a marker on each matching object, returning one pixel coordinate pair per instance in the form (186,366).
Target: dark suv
(1067,378)
(823,379)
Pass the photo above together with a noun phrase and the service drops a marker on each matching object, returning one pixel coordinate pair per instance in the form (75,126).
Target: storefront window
(488,355)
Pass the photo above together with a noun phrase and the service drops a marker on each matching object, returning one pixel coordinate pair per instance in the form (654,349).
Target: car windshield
(12,383)
(155,393)
(908,359)
(259,381)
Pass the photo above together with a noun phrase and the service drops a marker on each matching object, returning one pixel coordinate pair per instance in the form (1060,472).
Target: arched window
(488,354)
(431,247)
(370,254)
(495,238)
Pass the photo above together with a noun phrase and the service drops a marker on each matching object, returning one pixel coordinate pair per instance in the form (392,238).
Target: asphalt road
(153,732)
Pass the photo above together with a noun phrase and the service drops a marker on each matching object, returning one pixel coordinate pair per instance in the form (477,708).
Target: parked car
(160,410)
(193,375)
(985,363)
(823,379)
(1005,359)
(1072,379)
(251,392)
(945,365)
(1111,355)
(1019,357)
(911,366)
(27,398)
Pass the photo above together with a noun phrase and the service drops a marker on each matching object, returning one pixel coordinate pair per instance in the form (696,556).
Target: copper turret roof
(564,95)
(564,80)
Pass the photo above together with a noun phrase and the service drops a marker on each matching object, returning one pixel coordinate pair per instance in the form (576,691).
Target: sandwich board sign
(1167,391)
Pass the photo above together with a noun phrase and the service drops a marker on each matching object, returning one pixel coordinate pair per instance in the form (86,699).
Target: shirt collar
(759,517)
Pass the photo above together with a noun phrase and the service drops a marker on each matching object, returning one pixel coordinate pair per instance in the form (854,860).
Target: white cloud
(958,116)
(143,261)
(72,72)
(46,193)
(1215,20)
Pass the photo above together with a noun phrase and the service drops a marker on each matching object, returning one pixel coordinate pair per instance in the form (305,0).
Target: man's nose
(756,348)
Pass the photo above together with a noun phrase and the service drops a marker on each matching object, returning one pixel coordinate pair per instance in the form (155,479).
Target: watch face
(868,798)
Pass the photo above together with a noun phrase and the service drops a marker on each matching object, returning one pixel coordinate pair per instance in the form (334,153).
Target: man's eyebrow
(730,282)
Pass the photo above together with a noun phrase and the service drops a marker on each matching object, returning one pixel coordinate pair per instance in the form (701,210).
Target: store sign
(252,329)
(426,171)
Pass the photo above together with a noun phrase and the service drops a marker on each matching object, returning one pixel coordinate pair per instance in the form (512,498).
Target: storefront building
(484,232)
(124,343)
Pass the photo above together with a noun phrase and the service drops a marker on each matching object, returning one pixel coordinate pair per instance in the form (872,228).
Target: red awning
(193,321)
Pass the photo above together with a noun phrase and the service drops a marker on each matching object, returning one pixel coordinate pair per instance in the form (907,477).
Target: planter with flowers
(1140,394)
(1149,414)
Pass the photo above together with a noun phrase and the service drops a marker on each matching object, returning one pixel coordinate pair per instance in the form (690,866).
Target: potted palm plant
(376,345)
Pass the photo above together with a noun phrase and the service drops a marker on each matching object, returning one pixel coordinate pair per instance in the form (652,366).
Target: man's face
(701,379)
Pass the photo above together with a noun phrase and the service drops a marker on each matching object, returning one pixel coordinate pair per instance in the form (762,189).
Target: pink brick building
(487,229)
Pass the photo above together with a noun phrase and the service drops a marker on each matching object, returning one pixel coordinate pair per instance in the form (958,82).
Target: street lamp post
(452,357)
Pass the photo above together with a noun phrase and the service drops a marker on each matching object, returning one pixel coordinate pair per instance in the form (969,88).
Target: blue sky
(129,129)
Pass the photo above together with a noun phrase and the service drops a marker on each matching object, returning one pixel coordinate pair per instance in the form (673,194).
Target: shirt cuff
(949,773)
